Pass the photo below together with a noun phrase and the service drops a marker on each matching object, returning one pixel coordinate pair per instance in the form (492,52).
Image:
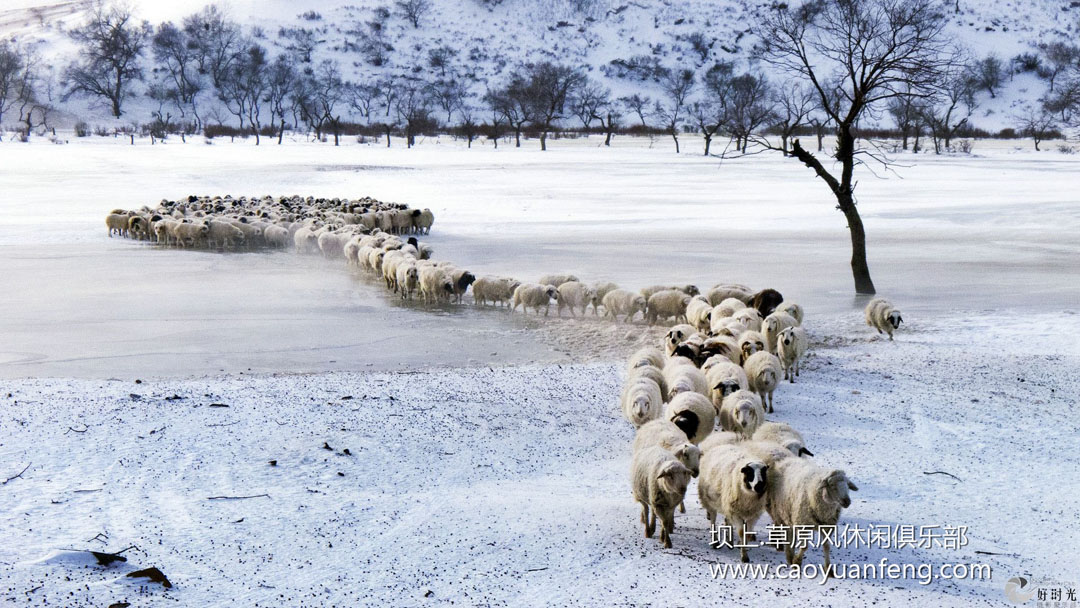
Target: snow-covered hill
(487,39)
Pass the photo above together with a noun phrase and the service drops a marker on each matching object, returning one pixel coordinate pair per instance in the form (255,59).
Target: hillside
(610,39)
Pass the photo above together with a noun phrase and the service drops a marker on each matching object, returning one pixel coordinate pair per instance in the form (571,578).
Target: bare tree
(587,101)
(793,104)
(1065,101)
(468,126)
(988,73)
(749,108)
(32,108)
(362,98)
(449,94)
(514,102)
(707,116)
(904,111)
(870,51)
(111,43)
(282,85)
(639,105)
(320,97)
(413,10)
(547,88)
(11,72)
(496,103)
(1037,123)
(1061,57)
(677,86)
(175,52)
(414,109)
(216,41)
(950,107)
(243,88)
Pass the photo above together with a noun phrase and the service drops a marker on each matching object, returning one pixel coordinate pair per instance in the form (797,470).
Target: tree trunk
(675,136)
(281,132)
(543,139)
(783,143)
(388,136)
(708,142)
(846,202)
(517,137)
(904,135)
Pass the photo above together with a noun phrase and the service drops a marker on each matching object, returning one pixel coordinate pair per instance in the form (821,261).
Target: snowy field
(488,461)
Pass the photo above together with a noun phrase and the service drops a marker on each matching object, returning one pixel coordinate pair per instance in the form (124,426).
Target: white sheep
(534,295)
(749,318)
(690,290)
(648,355)
(223,234)
(664,434)
(750,342)
(793,309)
(773,325)
(684,377)
(803,494)
(727,308)
(574,294)
(693,413)
(276,236)
(667,303)
(783,434)
(622,302)
(659,483)
(790,348)
(721,346)
(556,279)
(600,290)
(699,313)
(642,401)
(724,378)
(407,279)
(733,483)
(763,373)
(435,286)
(676,336)
(718,438)
(422,223)
(652,373)
(741,412)
(195,234)
(722,292)
(117,223)
(883,316)
(497,290)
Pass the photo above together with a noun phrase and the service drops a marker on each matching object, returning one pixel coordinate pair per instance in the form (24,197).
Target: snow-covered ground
(488,461)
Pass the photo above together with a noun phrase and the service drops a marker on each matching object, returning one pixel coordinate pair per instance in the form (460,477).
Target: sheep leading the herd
(742,344)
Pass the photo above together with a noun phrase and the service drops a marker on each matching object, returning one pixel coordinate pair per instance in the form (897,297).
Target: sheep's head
(727,387)
(797,448)
(746,416)
(787,337)
(690,455)
(466,279)
(895,319)
(552,293)
(690,290)
(638,304)
(412,273)
(686,349)
(834,489)
(674,477)
(755,476)
(687,421)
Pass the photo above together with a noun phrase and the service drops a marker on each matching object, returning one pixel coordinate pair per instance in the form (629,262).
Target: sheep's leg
(645,513)
(789,552)
(826,548)
(667,524)
(739,529)
(799,557)
(650,526)
(682,506)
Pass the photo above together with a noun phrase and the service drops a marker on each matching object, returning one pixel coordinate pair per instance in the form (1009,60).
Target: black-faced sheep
(883,316)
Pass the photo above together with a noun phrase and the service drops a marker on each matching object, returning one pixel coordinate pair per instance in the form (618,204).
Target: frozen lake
(990,232)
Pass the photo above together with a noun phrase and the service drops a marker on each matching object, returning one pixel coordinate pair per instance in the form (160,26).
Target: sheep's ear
(851,486)
(805,452)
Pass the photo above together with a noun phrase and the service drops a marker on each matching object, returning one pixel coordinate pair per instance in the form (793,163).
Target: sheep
(462,279)
(727,308)
(724,378)
(722,346)
(766,301)
(773,325)
(793,309)
(690,290)
(556,279)
(435,286)
(722,292)
(646,356)
(699,313)
(659,483)
(741,412)
(665,434)
(276,236)
(790,348)
(803,494)
(718,438)
(750,342)
(782,434)
(402,221)
(676,336)
(573,294)
(305,240)
(195,234)
(748,318)
(496,290)
(642,401)
(599,291)
(622,302)
(733,483)
(763,373)
(652,373)
(883,316)
(137,227)
(693,413)
(667,303)
(681,378)
(534,295)
(407,279)
(252,234)
(422,223)
(118,223)
(332,244)
(221,234)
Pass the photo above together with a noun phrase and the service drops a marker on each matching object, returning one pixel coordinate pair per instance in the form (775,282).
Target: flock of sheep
(309,224)
(721,366)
